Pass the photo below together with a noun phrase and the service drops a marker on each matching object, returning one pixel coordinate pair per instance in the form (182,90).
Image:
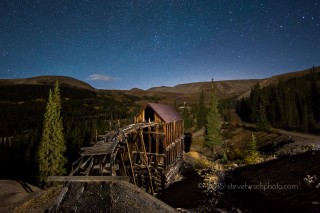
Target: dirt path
(310,138)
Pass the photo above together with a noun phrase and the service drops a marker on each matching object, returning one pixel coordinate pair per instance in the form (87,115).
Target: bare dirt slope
(224,89)
(115,197)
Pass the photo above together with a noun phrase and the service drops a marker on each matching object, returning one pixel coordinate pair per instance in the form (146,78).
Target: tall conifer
(213,126)
(201,116)
(50,156)
(261,121)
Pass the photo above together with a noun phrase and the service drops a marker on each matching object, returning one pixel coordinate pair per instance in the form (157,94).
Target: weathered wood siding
(140,117)
(165,143)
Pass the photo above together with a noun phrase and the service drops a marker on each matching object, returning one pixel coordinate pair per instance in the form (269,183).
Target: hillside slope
(275,79)
(48,80)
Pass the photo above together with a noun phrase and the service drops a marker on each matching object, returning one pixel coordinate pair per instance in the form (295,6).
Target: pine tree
(186,117)
(255,98)
(175,105)
(201,116)
(261,121)
(252,154)
(213,126)
(50,156)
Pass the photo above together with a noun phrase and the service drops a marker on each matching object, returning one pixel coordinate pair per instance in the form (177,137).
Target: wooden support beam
(174,130)
(73,171)
(87,178)
(165,136)
(89,167)
(129,156)
(125,168)
(77,161)
(149,139)
(83,164)
(144,160)
(157,146)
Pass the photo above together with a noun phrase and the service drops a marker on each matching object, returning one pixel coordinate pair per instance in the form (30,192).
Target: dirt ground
(287,184)
(113,196)
(290,160)
(39,203)
(13,193)
(295,156)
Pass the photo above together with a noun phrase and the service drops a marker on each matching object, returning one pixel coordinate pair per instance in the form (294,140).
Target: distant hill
(226,89)
(180,93)
(229,87)
(48,80)
(275,79)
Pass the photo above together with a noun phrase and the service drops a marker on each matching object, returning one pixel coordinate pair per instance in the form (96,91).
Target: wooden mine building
(164,140)
(148,152)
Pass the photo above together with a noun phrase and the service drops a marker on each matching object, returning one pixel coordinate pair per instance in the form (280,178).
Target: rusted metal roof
(166,112)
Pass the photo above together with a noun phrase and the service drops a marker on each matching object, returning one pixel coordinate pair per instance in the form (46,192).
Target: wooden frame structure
(162,144)
(148,152)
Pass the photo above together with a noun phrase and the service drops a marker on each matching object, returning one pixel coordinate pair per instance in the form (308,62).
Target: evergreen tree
(252,154)
(50,156)
(290,104)
(186,117)
(213,126)
(201,116)
(175,105)
(261,121)
(255,98)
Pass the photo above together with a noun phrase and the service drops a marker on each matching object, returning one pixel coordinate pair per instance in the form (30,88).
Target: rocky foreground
(287,179)
(113,196)
(286,184)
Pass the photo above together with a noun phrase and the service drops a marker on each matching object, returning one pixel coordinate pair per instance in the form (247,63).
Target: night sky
(124,44)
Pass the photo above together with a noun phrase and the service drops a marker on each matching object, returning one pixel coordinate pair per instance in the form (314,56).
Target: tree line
(83,113)
(293,104)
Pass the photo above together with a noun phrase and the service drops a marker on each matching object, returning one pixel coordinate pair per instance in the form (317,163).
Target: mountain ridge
(48,80)
(186,92)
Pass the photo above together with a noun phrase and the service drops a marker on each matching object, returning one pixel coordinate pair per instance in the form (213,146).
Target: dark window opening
(149,114)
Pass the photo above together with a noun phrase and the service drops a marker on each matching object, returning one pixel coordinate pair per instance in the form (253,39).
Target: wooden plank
(87,178)
(99,150)
(155,133)
(99,147)
(94,153)
(148,153)
(60,197)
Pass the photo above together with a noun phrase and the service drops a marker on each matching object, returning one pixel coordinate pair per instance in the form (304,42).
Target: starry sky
(122,44)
